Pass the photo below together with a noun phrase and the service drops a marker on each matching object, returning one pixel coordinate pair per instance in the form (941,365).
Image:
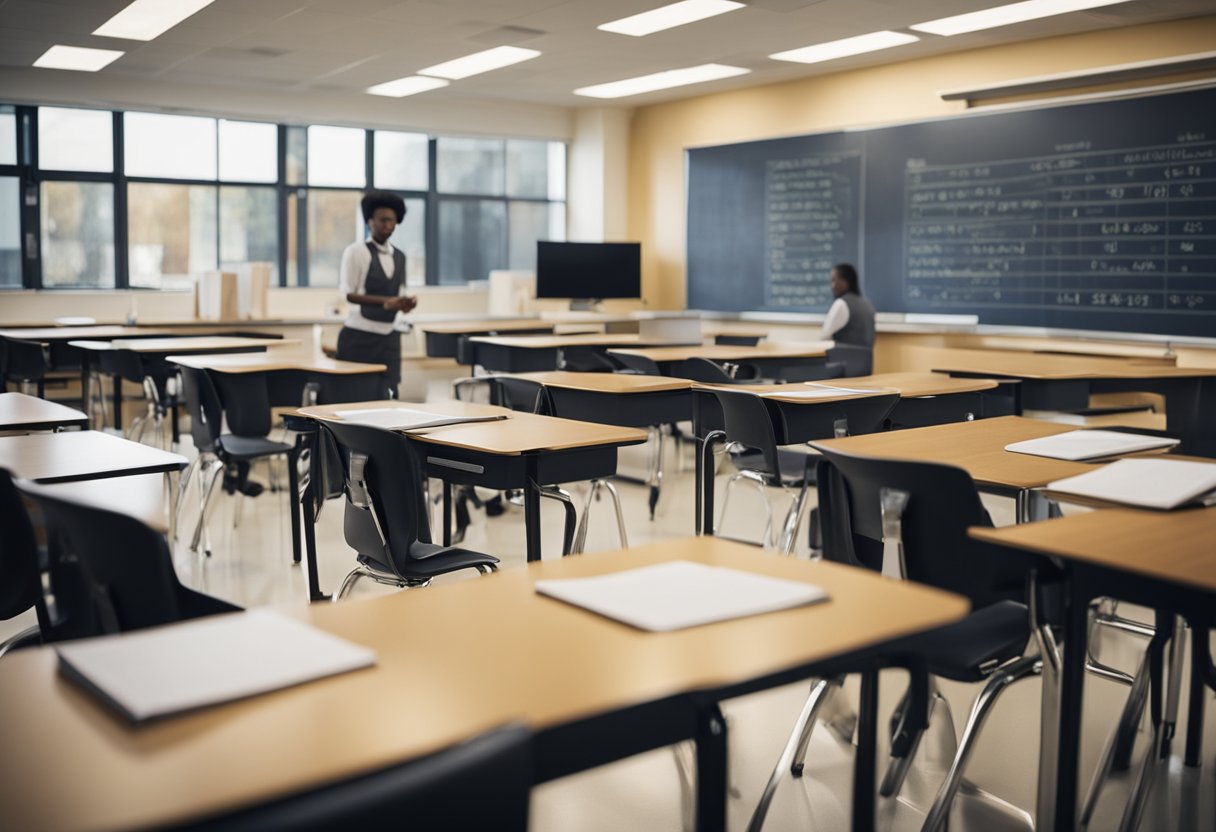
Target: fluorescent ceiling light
(1005,15)
(662,81)
(668,17)
(411,85)
(146,19)
(834,49)
(79,58)
(480,62)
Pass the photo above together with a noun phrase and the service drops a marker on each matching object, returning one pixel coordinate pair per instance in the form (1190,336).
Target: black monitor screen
(588,270)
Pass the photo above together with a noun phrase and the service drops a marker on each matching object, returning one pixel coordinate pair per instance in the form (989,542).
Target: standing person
(373,280)
(850,318)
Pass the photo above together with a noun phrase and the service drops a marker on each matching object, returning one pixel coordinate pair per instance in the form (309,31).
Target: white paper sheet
(680,594)
(207,661)
(810,390)
(1079,445)
(1150,483)
(407,418)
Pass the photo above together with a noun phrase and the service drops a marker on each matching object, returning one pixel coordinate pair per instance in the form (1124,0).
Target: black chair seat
(792,463)
(193,604)
(428,560)
(251,447)
(962,651)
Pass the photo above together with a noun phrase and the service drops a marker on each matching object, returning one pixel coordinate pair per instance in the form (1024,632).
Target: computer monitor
(591,271)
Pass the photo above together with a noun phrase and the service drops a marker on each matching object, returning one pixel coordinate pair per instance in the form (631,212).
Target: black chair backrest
(203,406)
(481,784)
(392,473)
(941,504)
(637,363)
(746,419)
(245,398)
(123,363)
(737,340)
(704,370)
(519,394)
(857,361)
(18,552)
(124,566)
(26,360)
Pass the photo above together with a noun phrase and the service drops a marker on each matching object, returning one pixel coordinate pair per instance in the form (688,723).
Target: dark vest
(380,284)
(859,331)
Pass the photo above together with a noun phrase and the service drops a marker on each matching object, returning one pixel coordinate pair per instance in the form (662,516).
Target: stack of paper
(1077,445)
(407,418)
(1150,483)
(680,594)
(167,670)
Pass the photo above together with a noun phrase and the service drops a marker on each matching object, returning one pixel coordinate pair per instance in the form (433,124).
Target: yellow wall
(866,97)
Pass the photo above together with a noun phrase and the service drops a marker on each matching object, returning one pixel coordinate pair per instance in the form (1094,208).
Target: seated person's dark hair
(847,273)
(382,199)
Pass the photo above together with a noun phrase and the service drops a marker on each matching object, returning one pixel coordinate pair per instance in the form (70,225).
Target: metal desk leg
(293,498)
(864,777)
(447,513)
(698,464)
(532,516)
(118,403)
(1200,661)
(712,778)
(1072,689)
(171,484)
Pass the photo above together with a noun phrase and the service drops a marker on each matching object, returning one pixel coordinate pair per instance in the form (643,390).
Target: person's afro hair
(382,199)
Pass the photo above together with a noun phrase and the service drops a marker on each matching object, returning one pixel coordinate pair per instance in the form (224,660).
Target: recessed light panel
(480,62)
(662,81)
(1005,15)
(79,58)
(147,19)
(411,85)
(832,50)
(668,17)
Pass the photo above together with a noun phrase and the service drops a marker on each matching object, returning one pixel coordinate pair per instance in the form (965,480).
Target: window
(470,166)
(337,156)
(249,151)
(335,220)
(530,222)
(10,232)
(249,227)
(171,233)
(536,169)
(77,234)
(472,239)
(75,139)
(169,147)
(401,161)
(8,136)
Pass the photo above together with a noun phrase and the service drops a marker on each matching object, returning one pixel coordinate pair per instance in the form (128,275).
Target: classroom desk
(21,412)
(767,356)
(1164,560)
(529,353)
(141,496)
(1065,382)
(523,451)
(443,338)
(593,690)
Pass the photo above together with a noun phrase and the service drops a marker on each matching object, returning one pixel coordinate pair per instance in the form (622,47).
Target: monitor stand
(585,305)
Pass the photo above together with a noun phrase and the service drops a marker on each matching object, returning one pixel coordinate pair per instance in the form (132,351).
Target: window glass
(401,161)
(169,147)
(171,233)
(249,227)
(530,222)
(77,234)
(8,136)
(335,220)
(10,232)
(472,239)
(336,156)
(249,151)
(297,155)
(410,237)
(470,166)
(75,139)
(536,169)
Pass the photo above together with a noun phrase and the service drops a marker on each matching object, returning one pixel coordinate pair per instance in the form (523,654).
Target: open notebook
(1078,445)
(680,594)
(1148,483)
(407,418)
(167,670)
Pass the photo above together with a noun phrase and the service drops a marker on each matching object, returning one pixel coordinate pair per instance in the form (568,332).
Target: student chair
(26,363)
(480,784)
(639,364)
(19,589)
(854,360)
(386,520)
(123,571)
(925,509)
(249,422)
(709,372)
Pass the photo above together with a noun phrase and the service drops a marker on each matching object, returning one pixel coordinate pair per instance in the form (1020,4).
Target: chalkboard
(1098,216)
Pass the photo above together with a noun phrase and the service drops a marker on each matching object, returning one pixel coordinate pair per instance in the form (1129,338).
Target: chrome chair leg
(795,745)
(656,475)
(1000,680)
(1129,721)
(580,536)
(348,583)
(756,480)
(793,521)
(620,514)
(210,479)
(28,637)
(562,496)
(836,715)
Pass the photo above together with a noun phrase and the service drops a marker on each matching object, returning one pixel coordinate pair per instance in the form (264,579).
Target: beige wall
(867,97)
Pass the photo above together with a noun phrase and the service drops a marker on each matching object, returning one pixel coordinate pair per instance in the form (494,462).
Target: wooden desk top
(1159,353)
(605,382)
(977,447)
(141,496)
(1172,546)
(275,360)
(484,325)
(81,455)
(1042,366)
(521,657)
(201,343)
(557,342)
(908,385)
(789,392)
(726,352)
(21,412)
(74,333)
(519,433)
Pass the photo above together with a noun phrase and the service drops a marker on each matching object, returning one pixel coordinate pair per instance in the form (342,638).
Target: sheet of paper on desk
(407,418)
(810,390)
(1077,445)
(1151,483)
(167,670)
(680,594)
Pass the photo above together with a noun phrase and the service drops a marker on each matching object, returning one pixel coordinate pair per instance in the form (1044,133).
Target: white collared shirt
(837,318)
(352,280)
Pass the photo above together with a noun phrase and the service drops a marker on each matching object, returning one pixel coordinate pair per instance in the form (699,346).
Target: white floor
(251,566)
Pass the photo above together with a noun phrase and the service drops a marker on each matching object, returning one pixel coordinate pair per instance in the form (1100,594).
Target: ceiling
(339,46)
